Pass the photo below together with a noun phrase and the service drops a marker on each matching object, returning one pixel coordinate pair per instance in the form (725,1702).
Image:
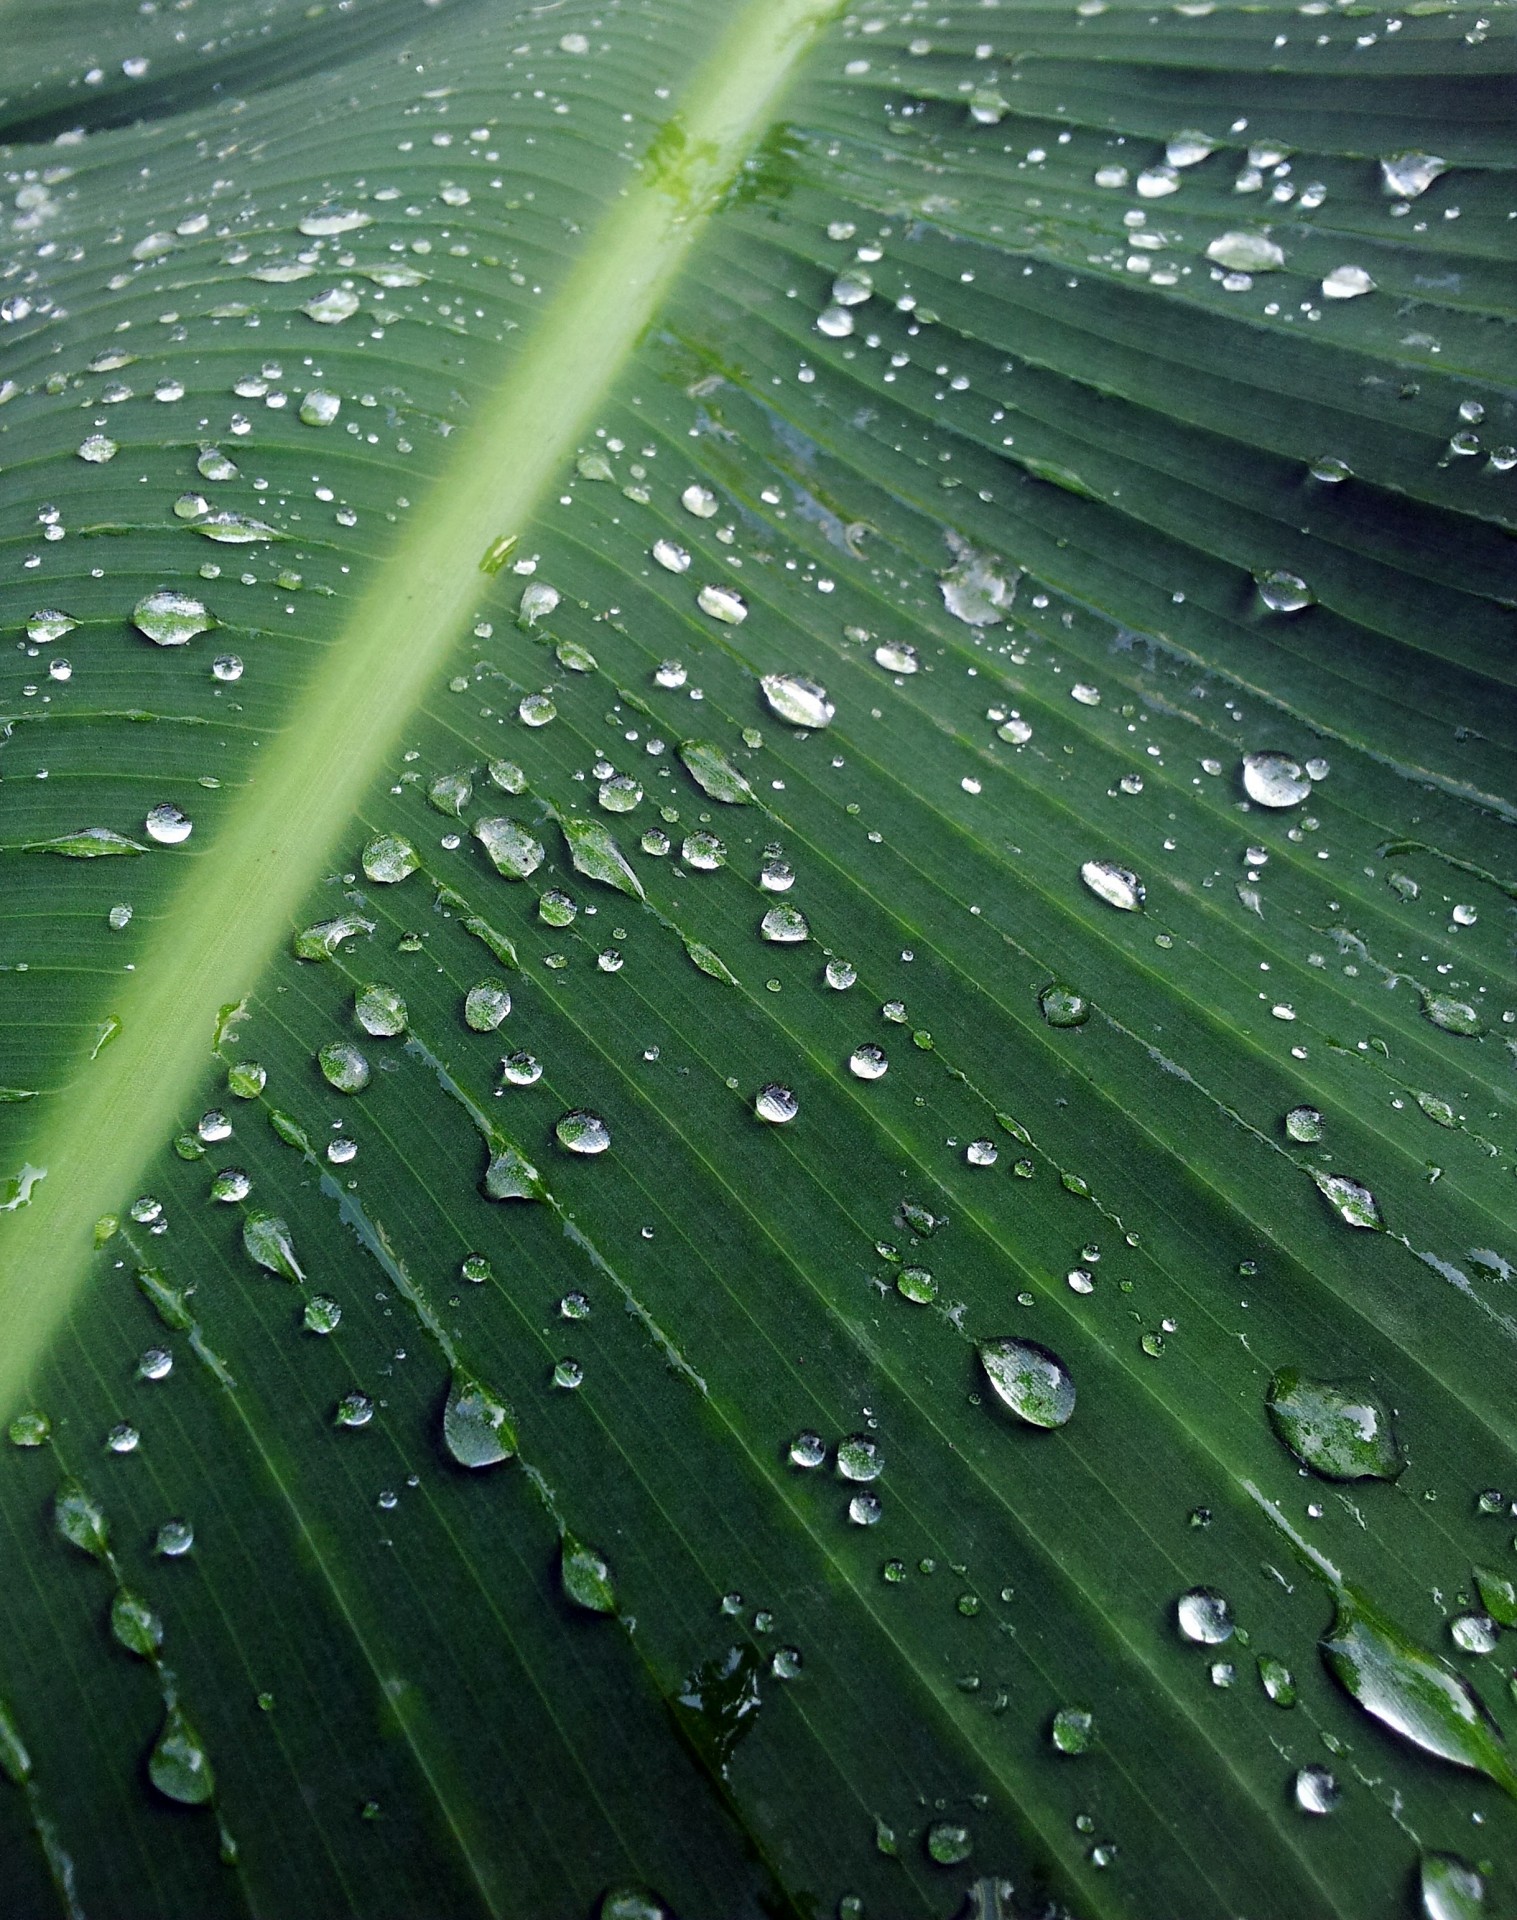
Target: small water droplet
(583,1132)
(1073,1730)
(1062,1007)
(1204,1616)
(1316,1790)
(1283,592)
(776,1104)
(175,1539)
(354,1409)
(1273,779)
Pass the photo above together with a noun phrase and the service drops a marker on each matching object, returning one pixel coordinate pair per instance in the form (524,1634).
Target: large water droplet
(1407,175)
(1204,1616)
(1030,1379)
(1304,1123)
(1246,253)
(1274,780)
(486,1006)
(776,1104)
(171,619)
(380,1010)
(714,773)
(80,1518)
(513,851)
(1451,1888)
(1411,1691)
(335,305)
(949,1843)
(1350,1199)
(1346,283)
(583,1132)
(343,1066)
(799,702)
(786,926)
(1117,886)
(1283,592)
(1340,1431)
(179,1766)
(976,590)
(860,1458)
(868,1062)
(475,1425)
(1453,1016)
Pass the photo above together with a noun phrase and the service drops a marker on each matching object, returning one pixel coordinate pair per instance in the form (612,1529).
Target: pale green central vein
(276,841)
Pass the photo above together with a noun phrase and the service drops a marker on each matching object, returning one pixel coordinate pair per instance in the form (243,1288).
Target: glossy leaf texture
(756,1007)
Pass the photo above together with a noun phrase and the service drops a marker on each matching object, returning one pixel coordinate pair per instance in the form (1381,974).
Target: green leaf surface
(868,655)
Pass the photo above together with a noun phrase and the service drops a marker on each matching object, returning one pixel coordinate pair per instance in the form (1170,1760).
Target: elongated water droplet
(586,1576)
(1030,1379)
(47,625)
(179,1766)
(15,1761)
(476,1426)
(1453,1016)
(896,657)
(1346,283)
(1350,1199)
(513,851)
(1277,1681)
(714,773)
(1498,1595)
(1275,780)
(797,701)
(1340,1431)
(723,604)
(1411,1691)
(267,1241)
(135,1625)
(711,962)
(171,619)
(1246,252)
(89,843)
(595,853)
(1117,886)
(324,940)
(80,1518)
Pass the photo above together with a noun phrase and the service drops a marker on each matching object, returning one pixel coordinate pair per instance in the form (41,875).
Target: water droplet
(1350,1199)
(1340,1431)
(1276,1679)
(808,1450)
(865,1510)
(1073,1730)
(1016,730)
(1498,1595)
(354,1409)
(1063,1007)
(231,1184)
(476,1427)
(171,619)
(786,1664)
(1408,175)
(620,794)
(380,1010)
(1304,1123)
(267,1241)
(699,500)
(859,1458)
(319,408)
(724,604)
(1274,780)
(917,1285)
(595,853)
(1451,1888)
(168,826)
(29,1429)
(714,773)
(1346,283)
(388,859)
(343,1066)
(246,1079)
(135,1625)
(1117,886)
(797,701)
(511,1176)
(586,1577)
(839,975)
(1204,1616)
(776,1104)
(1473,1633)
(1030,1379)
(174,1539)
(333,306)
(1283,592)
(674,559)
(179,1766)
(322,1314)
(1246,253)
(976,590)
(521,1069)
(704,852)
(47,625)
(1411,1691)
(97,448)
(80,1519)
(785,926)
(1453,1016)
(513,851)
(896,657)
(868,1062)
(226,667)
(486,1006)
(949,1843)
(1316,1790)
(583,1132)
